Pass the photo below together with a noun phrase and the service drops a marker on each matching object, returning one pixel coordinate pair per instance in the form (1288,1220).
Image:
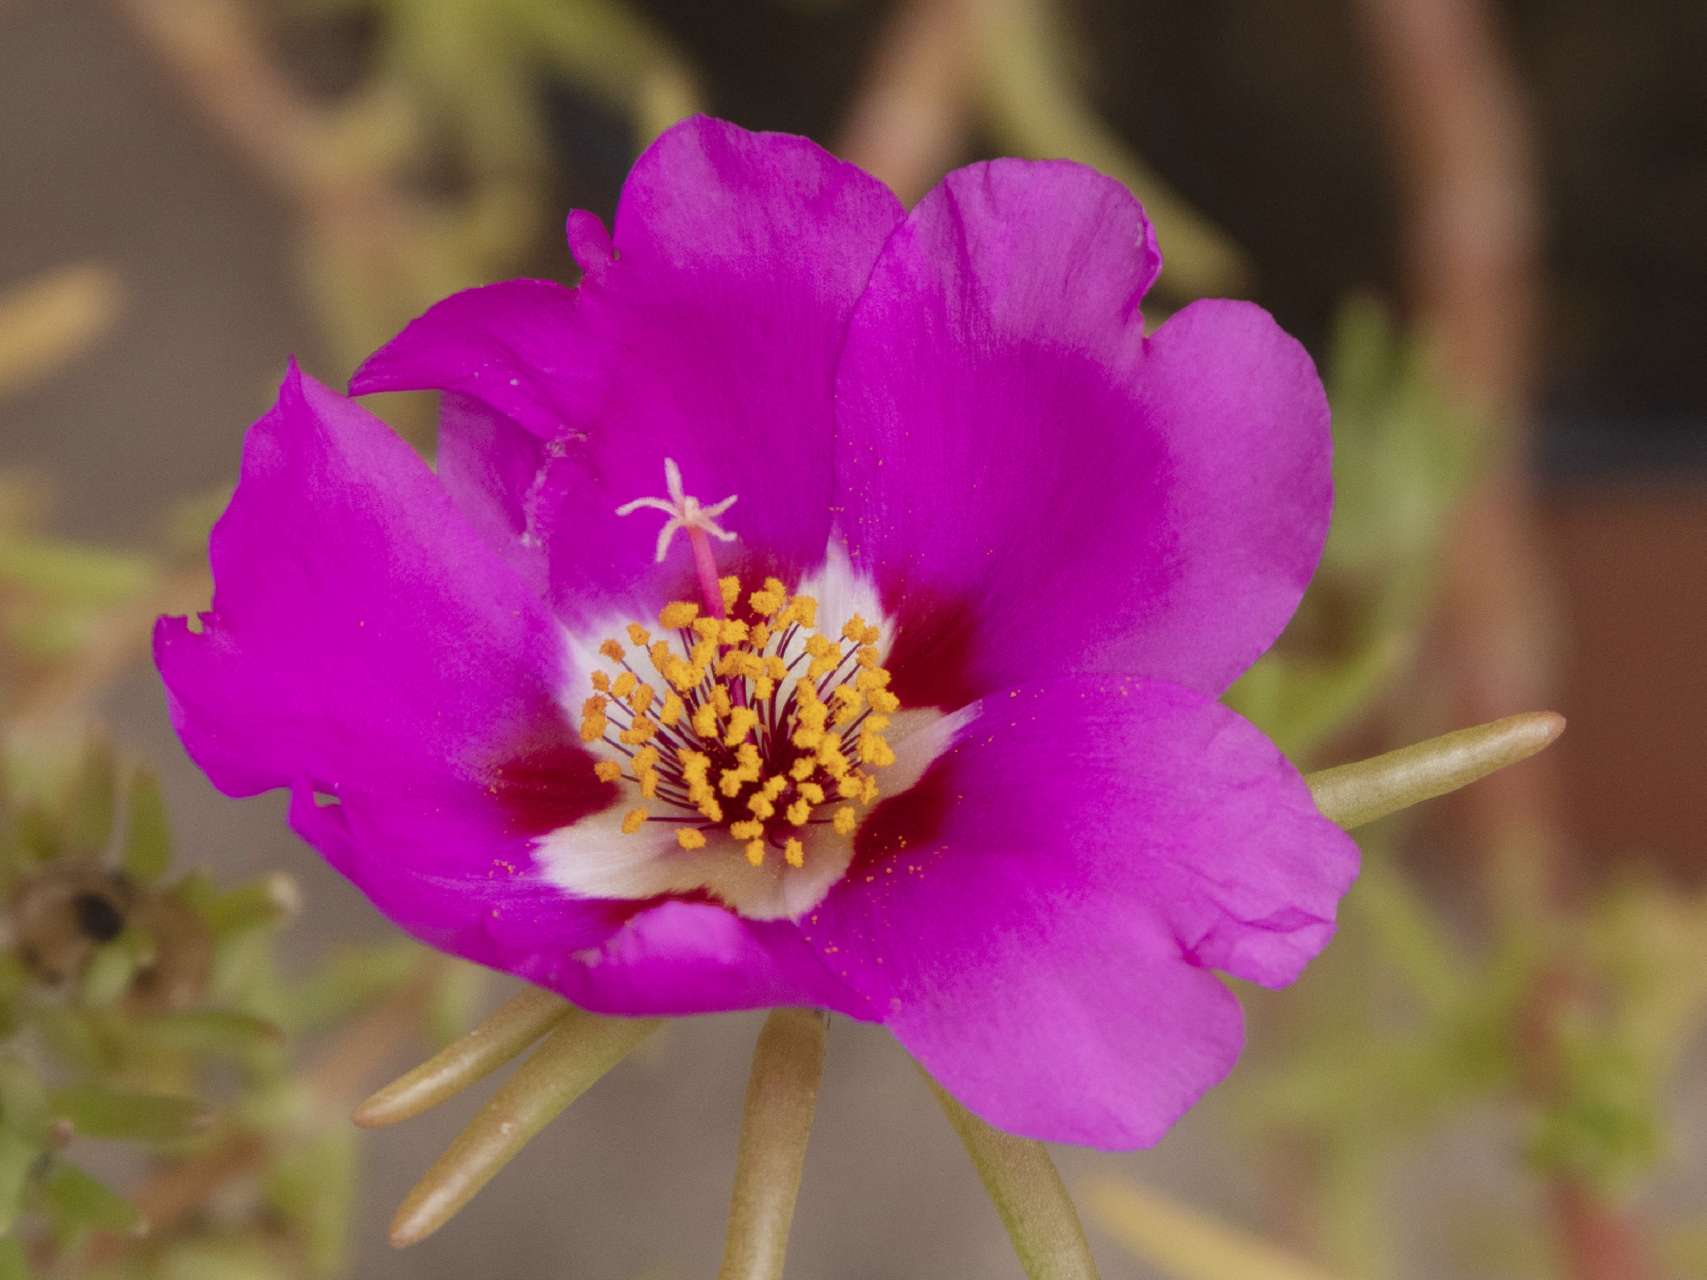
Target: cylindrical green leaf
(147,1117)
(524,1018)
(148,835)
(1354,794)
(1027,1192)
(80,1199)
(23,1101)
(571,1060)
(782,1093)
(94,798)
(261,902)
(17,1154)
(13,1264)
(224,1032)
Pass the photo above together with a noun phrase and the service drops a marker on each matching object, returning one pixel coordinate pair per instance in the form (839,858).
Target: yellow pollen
(705,720)
(854,629)
(759,636)
(866,658)
(730,589)
(641,699)
(801,609)
(746,830)
(593,720)
(607,770)
(770,600)
(638,636)
(690,838)
(742,721)
(849,787)
(799,811)
(641,730)
(672,711)
(874,750)
(601,682)
(820,646)
(813,792)
(711,809)
(703,653)
(794,853)
(832,760)
(660,655)
(649,785)
(882,700)
(732,632)
(677,614)
(868,792)
(720,700)
(624,684)
(645,758)
(706,628)
(612,650)
(755,852)
(803,768)
(680,673)
(761,805)
(633,822)
(845,820)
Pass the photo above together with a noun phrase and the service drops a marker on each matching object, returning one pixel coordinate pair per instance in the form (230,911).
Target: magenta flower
(822,605)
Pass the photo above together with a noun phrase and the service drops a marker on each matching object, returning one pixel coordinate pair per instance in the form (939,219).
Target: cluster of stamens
(745,738)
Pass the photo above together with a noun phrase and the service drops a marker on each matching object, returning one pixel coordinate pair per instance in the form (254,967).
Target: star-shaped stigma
(683,509)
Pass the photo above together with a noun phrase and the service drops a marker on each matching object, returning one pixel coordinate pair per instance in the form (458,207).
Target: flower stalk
(1028,1194)
(522,1020)
(573,1058)
(782,1094)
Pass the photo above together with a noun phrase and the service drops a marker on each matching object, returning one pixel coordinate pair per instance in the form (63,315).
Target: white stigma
(683,509)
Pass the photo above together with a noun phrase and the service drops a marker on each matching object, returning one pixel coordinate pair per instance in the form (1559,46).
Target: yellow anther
(755,852)
(746,830)
(641,699)
(612,650)
(775,786)
(808,738)
(641,730)
(711,809)
(607,770)
(766,602)
(813,792)
(738,662)
(677,614)
(799,811)
(803,768)
(763,687)
(854,629)
(672,712)
(868,680)
(732,631)
(775,667)
(742,721)
(720,700)
(882,700)
(633,822)
(874,750)
(706,628)
(649,784)
(690,838)
(661,655)
(818,668)
(704,653)
(759,636)
(601,682)
(849,787)
(638,635)
(831,758)
(761,805)
(820,646)
(644,759)
(848,700)
(624,684)
(802,609)
(593,720)
(866,657)
(876,724)
(705,720)
(730,589)
(868,791)
(748,756)
(681,674)
(845,820)
(695,765)
(794,853)
(872,636)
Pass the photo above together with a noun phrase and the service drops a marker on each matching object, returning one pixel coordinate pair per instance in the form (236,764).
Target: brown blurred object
(1632,563)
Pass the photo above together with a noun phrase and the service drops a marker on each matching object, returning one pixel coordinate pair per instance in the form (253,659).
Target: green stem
(522,1019)
(782,1094)
(571,1061)
(1028,1194)
(1354,794)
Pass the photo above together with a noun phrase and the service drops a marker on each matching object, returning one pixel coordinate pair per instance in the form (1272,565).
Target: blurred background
(1488,223)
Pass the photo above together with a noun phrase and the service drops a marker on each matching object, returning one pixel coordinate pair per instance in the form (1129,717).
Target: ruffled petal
(707,330)
(1037,919)
(1039,489)
(368,650)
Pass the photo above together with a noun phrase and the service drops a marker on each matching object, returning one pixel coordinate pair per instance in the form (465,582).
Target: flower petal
(1037,918)
(368,650)
(1038,488)
(706,330)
